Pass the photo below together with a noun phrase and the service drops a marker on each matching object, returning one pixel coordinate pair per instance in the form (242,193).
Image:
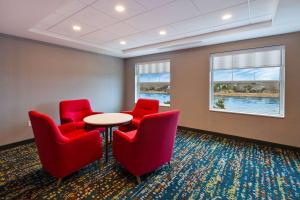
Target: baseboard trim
(255,141)
(15,144)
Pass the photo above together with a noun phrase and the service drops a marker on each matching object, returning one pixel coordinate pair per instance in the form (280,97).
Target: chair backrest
(47,136)
(145,107)
(75,110)
(156,135)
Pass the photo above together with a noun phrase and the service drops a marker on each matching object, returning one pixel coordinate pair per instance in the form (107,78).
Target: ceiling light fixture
(119,8)
(123,42)
(76,28)
(162,32)
(226,16)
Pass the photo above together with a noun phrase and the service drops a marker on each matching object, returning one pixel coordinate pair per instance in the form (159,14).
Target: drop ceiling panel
(99,37)
(93,17)
(206,6)
(191,25)
(66,28)
(239,13)
(153,3)
(170,13)
(262,7)
(115,44)
(132,8)
(70,8)
(288,12)
(88,2)
(153,36)
(121,29)
(49,21)
(140,38)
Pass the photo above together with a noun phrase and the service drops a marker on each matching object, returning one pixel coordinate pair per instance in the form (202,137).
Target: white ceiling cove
(187,23)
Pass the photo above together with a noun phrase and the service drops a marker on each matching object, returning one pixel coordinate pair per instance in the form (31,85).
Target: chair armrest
(130,112)
(128,136)
(123,145)
(90,136)
(64,128)
(82,142)
(80,148)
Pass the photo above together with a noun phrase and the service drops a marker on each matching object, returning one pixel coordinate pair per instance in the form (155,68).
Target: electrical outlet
(29,123)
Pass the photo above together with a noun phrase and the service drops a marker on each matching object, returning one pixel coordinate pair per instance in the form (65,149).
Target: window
(248,81)
(152,81)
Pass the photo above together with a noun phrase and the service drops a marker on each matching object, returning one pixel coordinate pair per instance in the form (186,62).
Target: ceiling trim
(196,40)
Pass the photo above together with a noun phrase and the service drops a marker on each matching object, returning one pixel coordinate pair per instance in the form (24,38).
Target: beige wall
(190,91)
(37,76)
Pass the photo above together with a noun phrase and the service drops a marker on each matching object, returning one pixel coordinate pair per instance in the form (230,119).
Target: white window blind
(153,67)
(269,57)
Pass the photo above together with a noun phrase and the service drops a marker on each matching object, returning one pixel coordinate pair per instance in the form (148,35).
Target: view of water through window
(251,104)
(155,86)
(250,97)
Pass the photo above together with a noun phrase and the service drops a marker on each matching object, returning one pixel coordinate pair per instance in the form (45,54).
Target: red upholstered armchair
(75,110)
(150,146)
(64,149)
(143,107)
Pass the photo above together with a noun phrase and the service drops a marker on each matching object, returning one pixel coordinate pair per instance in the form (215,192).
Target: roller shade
(153,67)
(270,57)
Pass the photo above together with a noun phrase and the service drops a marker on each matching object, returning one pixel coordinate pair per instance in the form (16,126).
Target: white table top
(107,119)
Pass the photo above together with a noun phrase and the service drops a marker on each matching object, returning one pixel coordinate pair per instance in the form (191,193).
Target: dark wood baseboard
(15,144)
(255,141)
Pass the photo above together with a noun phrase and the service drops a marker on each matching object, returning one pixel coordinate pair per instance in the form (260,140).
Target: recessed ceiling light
(226,16)
(123,42)
(76,28)
(162,32)
(119,8)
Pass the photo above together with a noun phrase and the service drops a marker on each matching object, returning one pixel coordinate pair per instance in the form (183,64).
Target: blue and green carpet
(203,167)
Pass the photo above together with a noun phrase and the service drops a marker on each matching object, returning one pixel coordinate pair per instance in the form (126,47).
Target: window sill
(164,105)
(280,116)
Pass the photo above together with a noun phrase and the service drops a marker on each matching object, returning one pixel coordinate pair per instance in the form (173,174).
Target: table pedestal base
(108,140)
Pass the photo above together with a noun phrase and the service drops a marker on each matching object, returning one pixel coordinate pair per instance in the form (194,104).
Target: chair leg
(110,135)
(100,163)
(59,181)
(138,179)
(169,165)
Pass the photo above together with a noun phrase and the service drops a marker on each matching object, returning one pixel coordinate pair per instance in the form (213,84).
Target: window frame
(136,80)
(281,80)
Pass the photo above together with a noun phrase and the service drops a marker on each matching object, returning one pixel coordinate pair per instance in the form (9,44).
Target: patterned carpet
(203,167)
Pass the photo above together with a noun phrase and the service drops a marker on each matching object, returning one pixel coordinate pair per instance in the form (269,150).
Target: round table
(108,120)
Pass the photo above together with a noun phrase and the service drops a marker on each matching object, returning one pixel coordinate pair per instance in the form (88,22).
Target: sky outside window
(162,77)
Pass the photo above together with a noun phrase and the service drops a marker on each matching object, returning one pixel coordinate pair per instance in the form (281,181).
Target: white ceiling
(188,23)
